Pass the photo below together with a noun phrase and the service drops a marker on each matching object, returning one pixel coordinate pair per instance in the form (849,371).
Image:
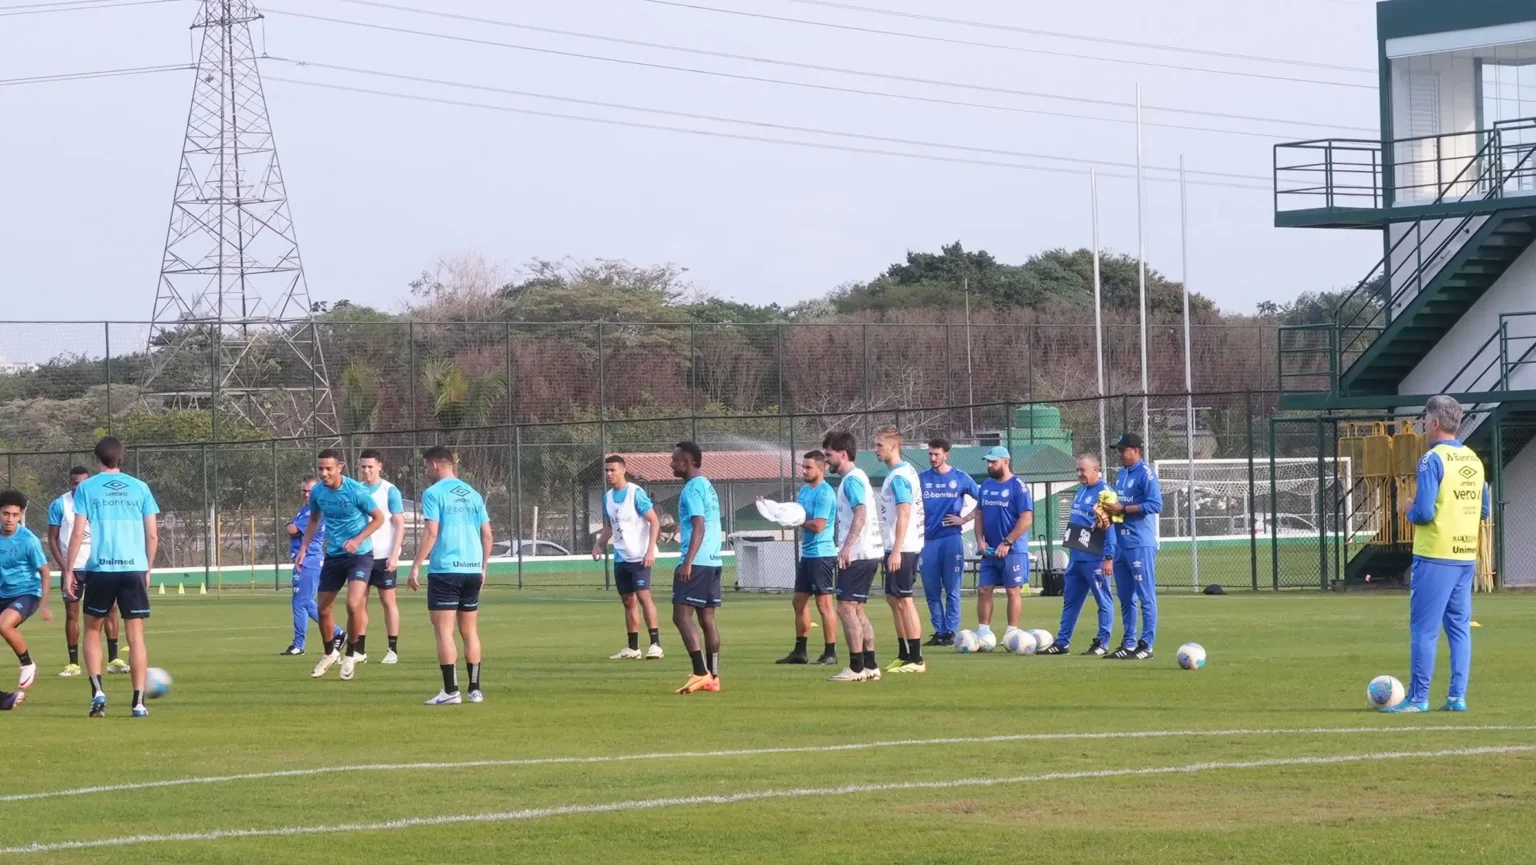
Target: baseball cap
(997,453)
(1127,440)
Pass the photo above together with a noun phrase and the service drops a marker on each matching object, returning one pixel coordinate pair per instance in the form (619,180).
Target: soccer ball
(986,641)
(1191,656)
(966,642)
(1384,691)
(157,683)
(1020,642)
(1043,638)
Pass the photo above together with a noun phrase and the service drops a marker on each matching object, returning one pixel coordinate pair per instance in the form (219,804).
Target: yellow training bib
(1454,531)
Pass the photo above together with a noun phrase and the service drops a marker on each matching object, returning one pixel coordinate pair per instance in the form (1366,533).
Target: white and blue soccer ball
(1191,656)
(1020,642)
(986,641)
(966,642)
(1043,639)
(1385,691)
(157,683)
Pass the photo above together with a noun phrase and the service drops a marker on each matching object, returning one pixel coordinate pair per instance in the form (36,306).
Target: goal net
(1291,497)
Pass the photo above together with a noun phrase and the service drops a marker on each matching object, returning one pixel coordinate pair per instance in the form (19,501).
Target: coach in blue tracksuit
(1140,500)
(1090,561)
(1447,511)
(942,563)
(306,580)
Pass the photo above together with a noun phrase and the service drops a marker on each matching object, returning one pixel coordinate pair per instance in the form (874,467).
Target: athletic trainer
(457,538)
(945,492)
(1004,514)
(305,580)
(1139,501)
(631,523)
(1090,544)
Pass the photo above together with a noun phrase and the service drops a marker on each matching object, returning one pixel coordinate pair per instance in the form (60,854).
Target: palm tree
(359,397)
(455,399)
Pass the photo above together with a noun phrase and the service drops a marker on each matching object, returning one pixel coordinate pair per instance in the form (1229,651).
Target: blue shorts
(459,592)
(380,577)
(900,582)
(701,589)
(79,589)
(340,570)
(25,605)
(854,582)
(631,577)
(1010,573)
(122,589)
(816,576)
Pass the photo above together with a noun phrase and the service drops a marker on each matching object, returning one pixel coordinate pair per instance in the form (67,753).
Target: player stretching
(457,538)
(1140,500)
(119,513)
(943,560)
(631,523)
(859,554)
(696,582)
(61,524)
(816,572)
(23,581)
(350,516)
(901,528)
(1090,542)
(1004,514)
(386,552)
(306,580)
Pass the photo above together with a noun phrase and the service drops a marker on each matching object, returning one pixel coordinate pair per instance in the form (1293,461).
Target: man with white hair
(1446,511)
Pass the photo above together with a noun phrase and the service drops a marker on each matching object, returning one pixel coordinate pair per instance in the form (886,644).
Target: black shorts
(380,577)
(340,570)
(79,589)
(26,605)
(899,584)
(459,592)
(631,577)
(854,581)
(701,589)
(122,589)
(816,576)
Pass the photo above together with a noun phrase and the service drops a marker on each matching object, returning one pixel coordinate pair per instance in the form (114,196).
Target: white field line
(760,795)
(754,752)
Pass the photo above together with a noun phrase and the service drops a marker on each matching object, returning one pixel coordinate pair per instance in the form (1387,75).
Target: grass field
(1271,756)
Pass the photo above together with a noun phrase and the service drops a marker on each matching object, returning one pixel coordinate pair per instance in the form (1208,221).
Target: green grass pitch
(1293,662)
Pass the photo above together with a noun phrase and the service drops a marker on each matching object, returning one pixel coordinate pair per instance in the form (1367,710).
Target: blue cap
(997,453)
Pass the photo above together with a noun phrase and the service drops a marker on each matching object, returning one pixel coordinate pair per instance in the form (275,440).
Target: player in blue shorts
(1004,513)
(631,523)
(456,546)
(121,516)
(816,572)
(350,516)
(942,565)
(1139,501)
(900,507)
(696,582)
(23,581)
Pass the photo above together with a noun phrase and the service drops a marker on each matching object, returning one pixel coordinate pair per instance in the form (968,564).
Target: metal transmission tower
(232,329)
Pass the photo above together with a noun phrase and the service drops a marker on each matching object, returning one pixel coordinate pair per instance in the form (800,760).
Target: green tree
(455,399)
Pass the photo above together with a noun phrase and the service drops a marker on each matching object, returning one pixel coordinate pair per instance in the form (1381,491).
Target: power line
(101,73)
(843,148)
(974,44)
(987,25)
(761,79)
(837,69)
(76,6)
(761,124)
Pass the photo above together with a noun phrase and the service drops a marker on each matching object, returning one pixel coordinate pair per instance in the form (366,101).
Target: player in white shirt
(858,557)
(630,522)
(386,553)
(61,522)
(901,531)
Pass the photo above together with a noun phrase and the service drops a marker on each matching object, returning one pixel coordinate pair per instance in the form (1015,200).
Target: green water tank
(1039,417)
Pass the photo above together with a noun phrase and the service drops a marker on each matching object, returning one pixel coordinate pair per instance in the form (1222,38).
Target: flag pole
(1189,391)
(1098,312)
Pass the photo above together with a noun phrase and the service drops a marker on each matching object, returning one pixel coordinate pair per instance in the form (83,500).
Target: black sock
(474,675)
(698,663)
(830,650)
(915,651)
(361,640)
(902,650)
(634,641)
(74,655)
(351,649)
(394,642)
(25,658)
(337,642)
(111,649)
(800,645)
(655,636)
(869,660)
(714,664)
(138,700)
(450,678)
(95,685)
(856,661)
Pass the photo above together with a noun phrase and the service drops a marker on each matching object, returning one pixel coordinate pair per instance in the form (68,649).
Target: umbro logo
(115,485)
(1467,472)
(461,492)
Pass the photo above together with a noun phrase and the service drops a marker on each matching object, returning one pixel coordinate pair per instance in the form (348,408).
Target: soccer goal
(1285,497)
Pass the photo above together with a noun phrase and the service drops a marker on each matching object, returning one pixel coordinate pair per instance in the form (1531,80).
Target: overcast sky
(381,187)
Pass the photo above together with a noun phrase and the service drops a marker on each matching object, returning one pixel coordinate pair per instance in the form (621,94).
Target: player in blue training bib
(630,522)
(456,547)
